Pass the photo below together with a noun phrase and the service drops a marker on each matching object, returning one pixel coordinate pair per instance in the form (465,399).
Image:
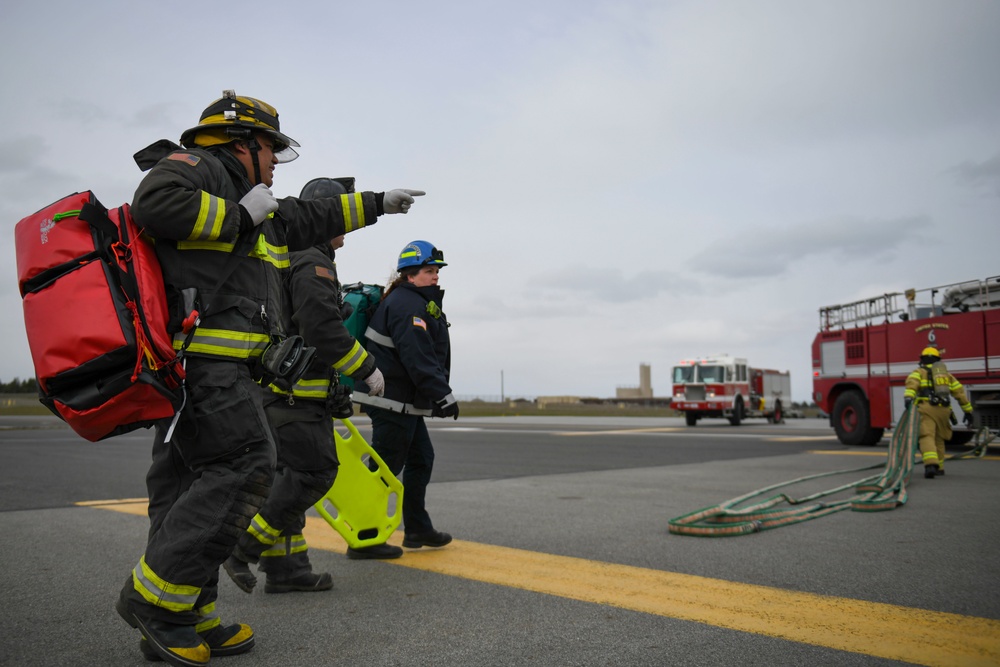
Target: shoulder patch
(417,322)
(324,272)
(185,157)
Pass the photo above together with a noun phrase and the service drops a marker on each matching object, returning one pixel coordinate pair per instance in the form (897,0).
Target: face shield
(282,146)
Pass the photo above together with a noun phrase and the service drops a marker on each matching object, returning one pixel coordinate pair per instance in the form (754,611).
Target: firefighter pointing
(932,386)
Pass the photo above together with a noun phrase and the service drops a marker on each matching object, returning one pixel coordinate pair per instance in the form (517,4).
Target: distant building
(645,388)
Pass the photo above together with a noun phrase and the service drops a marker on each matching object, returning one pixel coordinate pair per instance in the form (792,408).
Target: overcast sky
(612,182)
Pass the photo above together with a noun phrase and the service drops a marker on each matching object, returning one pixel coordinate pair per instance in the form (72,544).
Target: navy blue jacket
(408,336)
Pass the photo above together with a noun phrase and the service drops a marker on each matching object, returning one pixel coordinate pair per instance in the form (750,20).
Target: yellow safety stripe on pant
(209,618)
(160,592)
(292,544)
(261,530)
(880,492)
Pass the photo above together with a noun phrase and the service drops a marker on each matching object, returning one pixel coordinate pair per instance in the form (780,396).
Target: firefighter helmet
(930,352)
(322,187)
(420,253)
(230,118)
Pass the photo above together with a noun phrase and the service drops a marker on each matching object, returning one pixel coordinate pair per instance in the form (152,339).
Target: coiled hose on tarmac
(884,491)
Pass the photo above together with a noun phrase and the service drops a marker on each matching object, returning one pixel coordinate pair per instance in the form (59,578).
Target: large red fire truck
(865,350)
(724,386)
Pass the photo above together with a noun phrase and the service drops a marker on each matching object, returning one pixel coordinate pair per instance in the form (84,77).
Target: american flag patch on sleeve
(185,157)
(418,322)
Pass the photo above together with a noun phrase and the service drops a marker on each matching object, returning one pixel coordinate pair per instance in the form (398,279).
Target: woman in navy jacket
(408,336)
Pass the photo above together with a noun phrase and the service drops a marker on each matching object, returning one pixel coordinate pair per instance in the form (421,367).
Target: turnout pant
(935,428)
(204,487)
(307,466)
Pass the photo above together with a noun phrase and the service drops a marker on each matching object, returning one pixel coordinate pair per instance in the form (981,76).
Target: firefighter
(302,419)
(931,386)
(408,336)
(222,240)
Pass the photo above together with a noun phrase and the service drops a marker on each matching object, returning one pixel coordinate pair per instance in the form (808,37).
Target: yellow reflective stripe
(317,389)
(209,618)
(354,211)
(160,592)
(210,215)
(264,533)
(224,343)
(292,544)
(220,246)
(274,254)
(351,361)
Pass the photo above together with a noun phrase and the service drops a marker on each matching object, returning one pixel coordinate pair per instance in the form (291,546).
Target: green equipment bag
(363,300)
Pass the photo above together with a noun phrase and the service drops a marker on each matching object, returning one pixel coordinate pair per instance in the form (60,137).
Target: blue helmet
(420,253)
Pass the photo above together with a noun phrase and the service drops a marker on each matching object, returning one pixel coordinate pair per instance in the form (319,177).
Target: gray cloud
(611,284)
(979,174)
(771,252)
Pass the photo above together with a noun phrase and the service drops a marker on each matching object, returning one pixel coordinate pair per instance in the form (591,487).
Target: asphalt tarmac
(562,556)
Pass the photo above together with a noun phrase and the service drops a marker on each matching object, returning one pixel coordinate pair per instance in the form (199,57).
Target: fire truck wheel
(851,420)
(690,418)
(737,413)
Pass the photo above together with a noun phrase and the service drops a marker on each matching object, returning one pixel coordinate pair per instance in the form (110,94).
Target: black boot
(379,551)
(307,582)
(239,571)
(930,470)
(177,644)
(432,538)
(222,640)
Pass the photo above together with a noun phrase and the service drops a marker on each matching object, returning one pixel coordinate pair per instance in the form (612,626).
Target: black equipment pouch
(284,362)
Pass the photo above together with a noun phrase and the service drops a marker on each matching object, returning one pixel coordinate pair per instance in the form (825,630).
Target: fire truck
(724,386)
(865,350)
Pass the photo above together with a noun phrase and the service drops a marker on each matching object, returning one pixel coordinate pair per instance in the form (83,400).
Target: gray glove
(399,201)
(376,383)
(259,203)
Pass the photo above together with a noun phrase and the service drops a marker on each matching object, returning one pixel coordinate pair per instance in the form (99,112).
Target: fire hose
(757,511)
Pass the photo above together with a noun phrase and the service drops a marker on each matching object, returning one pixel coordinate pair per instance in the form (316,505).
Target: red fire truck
(724,386)
(865,350)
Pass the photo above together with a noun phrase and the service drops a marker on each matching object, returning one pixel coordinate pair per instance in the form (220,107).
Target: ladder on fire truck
(912,304)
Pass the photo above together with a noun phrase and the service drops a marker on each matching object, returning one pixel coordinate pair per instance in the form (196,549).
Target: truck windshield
(711,373)
(683,374)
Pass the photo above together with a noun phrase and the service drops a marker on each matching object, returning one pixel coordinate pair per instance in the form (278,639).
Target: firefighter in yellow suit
(932,387)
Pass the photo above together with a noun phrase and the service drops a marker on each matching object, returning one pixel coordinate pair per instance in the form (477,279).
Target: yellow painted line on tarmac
(121,501)
(663,429)
(917,636)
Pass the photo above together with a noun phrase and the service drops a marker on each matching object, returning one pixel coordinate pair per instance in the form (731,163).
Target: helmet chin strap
(254,149)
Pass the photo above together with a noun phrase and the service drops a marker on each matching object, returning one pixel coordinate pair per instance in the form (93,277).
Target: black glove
(907,402)
(339,402)
(446,407)
(967,418)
